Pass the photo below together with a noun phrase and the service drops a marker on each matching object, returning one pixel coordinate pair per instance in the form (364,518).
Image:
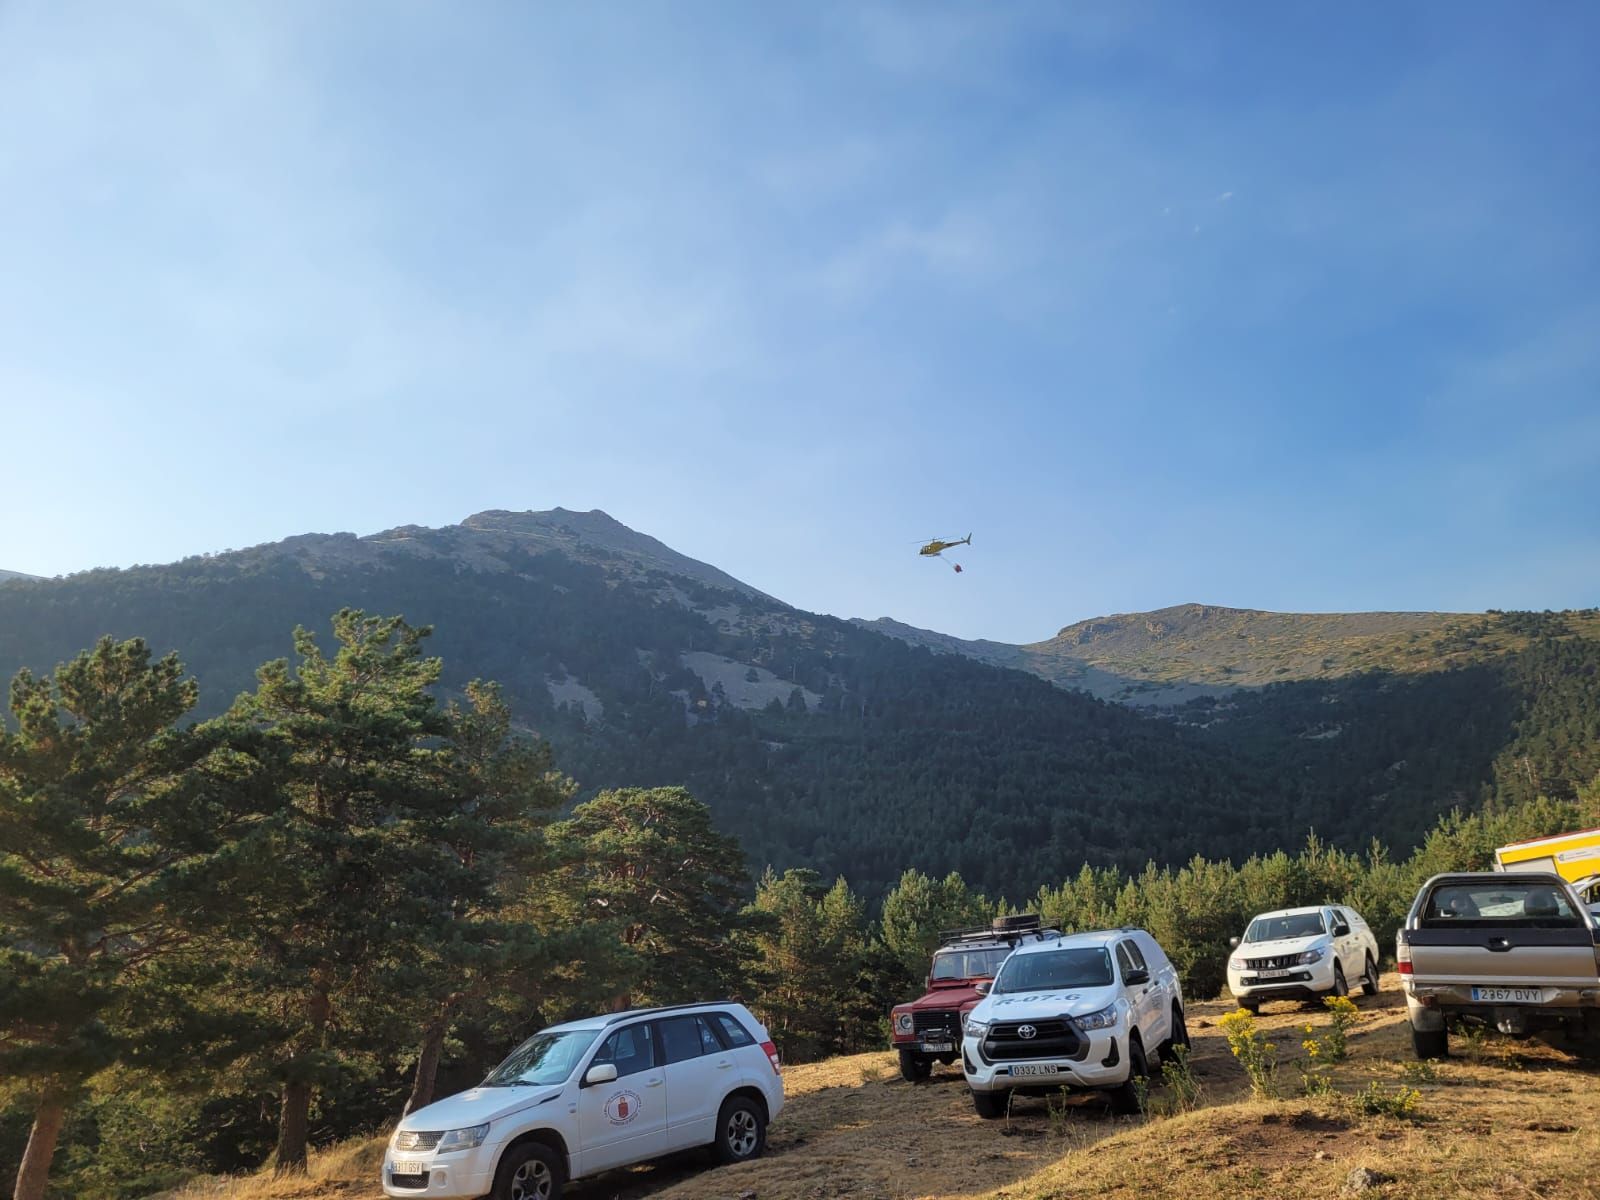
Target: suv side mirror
(1233,943)
(982,987)
(1136,976)
(600,1073)
(1341,930)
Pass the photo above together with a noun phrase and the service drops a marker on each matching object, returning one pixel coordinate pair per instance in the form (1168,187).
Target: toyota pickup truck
(1514,950)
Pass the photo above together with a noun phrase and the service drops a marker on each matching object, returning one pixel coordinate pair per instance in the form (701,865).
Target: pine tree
(502,791)
(647,863)
(103,810)
(347,876)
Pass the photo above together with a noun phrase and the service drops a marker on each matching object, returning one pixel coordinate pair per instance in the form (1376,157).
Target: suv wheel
(1369,981)
(531,1171)
(1430,1043)
(1250,1004)
(1125,1099)
(991,1106)
(914,1067)
(741,1130)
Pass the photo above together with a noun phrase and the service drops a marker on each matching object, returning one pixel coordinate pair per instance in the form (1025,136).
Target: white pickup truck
(1515,950)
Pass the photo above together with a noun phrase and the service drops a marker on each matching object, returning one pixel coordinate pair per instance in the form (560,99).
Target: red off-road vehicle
(928,1030)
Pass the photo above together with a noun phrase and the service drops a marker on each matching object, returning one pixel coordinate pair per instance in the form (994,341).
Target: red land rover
(928,1030)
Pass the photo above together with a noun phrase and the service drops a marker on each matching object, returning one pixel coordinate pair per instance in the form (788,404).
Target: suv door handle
(653,1082)
(724,1065)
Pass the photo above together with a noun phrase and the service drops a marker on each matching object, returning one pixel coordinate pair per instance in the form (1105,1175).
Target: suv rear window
(1489,903)
(733,1033)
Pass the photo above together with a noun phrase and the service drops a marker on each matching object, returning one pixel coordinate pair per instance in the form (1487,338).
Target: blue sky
(1288,306)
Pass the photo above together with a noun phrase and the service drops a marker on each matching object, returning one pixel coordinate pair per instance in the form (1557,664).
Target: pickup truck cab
(592,1095)
(928,1029)
(1087,1010)
(1303,954)
(1514,950)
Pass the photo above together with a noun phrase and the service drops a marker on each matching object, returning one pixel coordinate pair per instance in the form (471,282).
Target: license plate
(1034,1069)
(1509,995)
(407,1166)
(938,1047)
(1271,974)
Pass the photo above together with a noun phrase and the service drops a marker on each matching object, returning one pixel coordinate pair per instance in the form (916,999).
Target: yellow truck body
(1573,856)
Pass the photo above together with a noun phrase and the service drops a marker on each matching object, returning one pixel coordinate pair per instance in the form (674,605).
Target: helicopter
(938,546)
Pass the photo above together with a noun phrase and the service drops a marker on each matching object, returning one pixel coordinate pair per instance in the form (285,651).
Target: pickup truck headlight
(1106,1018)
(1236,964)
(464,1139)
(976,1028)
(902,1023)
(1310,956)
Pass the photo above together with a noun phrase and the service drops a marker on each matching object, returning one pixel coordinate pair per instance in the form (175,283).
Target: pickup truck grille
(1052,1038)
(937,1026)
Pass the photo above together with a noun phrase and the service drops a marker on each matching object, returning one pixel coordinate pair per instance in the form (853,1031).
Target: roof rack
(661,1008)
(999,928)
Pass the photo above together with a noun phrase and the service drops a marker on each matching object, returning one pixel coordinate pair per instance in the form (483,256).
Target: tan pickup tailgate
(1517,933)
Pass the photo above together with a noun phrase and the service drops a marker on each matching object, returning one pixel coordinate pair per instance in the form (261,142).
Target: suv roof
(604,1020)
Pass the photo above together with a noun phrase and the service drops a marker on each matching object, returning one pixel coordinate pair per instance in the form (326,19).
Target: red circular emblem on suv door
(622,1107)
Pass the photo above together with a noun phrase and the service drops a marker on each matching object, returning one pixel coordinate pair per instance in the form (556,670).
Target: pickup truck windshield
(545,1058)
(968,964)
(1053,970)
(1295,925)
(1491,903)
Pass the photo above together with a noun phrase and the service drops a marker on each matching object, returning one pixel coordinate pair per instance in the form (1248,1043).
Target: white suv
(1303,954)
(590,1095)
(1088,1010)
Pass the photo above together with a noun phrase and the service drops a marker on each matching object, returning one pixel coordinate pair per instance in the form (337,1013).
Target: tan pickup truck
(1514,950)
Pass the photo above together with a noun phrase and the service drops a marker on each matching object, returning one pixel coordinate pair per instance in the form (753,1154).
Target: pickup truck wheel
(1369,981)
(991,1106)
(1430,1043)
(914,1067)
(1250,1004)
(1125,1099)
(1340,987)
(531,1171)
(741,1130)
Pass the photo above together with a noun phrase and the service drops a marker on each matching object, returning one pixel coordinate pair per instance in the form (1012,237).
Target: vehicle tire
(741,1130)
(1180,1035)
(914,1067)
(1430,1043)
(531,1171)
(1251,1005)
(1369,981)
(991,1106)
(1125,1099)
(1340,987)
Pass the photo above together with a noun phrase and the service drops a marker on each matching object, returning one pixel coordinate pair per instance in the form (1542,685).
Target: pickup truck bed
(1514,950)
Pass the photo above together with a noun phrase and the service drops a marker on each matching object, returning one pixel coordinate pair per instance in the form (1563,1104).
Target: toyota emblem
(1026,1031)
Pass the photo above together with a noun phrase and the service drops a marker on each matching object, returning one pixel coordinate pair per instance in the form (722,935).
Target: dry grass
(1515,1121)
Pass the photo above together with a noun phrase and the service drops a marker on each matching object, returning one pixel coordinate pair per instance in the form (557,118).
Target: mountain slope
(1174,655)
(5,575)
(818,742)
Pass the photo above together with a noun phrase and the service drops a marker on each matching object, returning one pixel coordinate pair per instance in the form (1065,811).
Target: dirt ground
(1502,1119)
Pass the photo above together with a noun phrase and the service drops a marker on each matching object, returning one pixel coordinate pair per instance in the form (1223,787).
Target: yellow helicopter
(938,546)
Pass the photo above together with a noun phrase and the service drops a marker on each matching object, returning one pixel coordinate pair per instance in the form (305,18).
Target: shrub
(1256,1055)
(1374,1101)
(1333,1045)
